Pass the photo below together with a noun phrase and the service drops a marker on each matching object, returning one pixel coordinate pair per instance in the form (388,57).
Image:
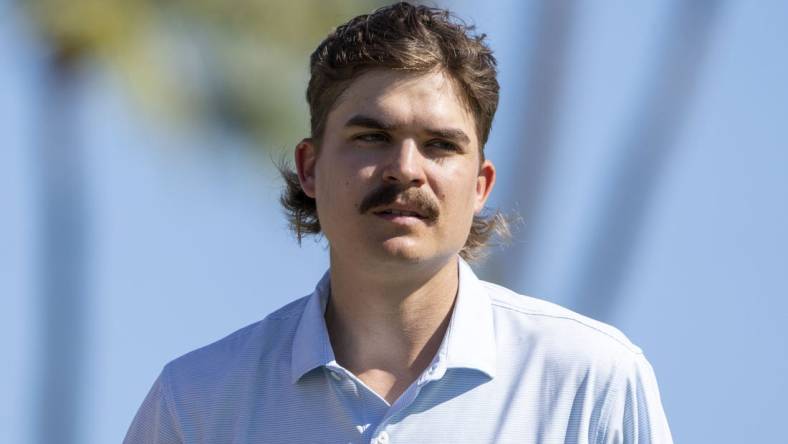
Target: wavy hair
(403,37)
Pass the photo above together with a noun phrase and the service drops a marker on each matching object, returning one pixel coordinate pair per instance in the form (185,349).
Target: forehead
(404,99)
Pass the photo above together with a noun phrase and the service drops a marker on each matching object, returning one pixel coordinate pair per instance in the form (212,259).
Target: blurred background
(644,144)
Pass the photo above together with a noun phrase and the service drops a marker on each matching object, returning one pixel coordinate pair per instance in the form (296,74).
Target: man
(400,342)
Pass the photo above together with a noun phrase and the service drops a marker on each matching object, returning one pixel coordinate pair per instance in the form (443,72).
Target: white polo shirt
(510,368)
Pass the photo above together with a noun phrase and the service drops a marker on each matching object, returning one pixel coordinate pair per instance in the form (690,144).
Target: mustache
(388,193)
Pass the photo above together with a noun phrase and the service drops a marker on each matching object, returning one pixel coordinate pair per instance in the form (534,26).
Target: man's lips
(394,212)
(400,218)
(402,215)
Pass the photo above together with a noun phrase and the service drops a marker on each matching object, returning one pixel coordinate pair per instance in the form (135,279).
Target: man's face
(397,176)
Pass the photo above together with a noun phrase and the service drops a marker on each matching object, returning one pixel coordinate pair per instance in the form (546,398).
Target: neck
(387,327)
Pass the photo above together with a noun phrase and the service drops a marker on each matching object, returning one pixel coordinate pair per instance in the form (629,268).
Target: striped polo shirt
(510,369)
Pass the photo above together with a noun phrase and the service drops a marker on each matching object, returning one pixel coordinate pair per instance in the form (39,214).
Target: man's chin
(408,252)
(403,250)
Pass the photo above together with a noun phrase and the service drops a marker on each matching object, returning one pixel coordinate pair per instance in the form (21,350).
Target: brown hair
(402,37)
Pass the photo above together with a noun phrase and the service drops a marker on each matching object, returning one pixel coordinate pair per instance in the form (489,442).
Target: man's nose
(405,164)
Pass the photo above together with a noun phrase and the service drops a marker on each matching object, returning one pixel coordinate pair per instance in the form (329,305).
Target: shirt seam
(630,347)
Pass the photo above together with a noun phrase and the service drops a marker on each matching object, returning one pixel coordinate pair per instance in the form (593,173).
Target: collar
(470,338)
(311,345)
(469,341)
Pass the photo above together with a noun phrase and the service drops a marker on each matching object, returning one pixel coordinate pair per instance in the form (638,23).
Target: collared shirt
(510,368)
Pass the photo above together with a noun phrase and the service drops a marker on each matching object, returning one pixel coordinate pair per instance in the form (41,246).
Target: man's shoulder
(241,350)
(557,352)
(556,328)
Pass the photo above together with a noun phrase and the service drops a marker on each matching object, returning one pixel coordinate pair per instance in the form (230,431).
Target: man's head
(399,49)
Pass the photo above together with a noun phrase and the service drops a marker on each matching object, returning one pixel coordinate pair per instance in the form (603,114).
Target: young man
(400,342)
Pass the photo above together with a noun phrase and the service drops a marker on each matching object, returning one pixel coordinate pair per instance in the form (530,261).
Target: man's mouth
(402,216)
(404,213)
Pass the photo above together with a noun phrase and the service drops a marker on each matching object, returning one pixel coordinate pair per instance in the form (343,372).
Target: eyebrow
(444,133)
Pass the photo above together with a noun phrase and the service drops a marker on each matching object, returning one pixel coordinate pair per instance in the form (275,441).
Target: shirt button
(383,438)
(336,376)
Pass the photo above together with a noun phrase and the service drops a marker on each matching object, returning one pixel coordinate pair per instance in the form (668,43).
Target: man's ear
(484,184)
(305,159)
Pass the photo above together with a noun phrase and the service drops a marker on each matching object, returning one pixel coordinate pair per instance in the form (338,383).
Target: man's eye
(443,145)
(371,137)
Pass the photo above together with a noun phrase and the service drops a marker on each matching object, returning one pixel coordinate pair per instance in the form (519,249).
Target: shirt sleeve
(154,422)
(634,414)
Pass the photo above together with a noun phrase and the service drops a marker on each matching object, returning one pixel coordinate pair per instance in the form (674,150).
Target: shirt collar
(470,337)
(469,341)
(311,345)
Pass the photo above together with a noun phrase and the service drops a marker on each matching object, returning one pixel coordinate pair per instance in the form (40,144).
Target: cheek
(458,197)
(347,190)
(458,191)
(341,190)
